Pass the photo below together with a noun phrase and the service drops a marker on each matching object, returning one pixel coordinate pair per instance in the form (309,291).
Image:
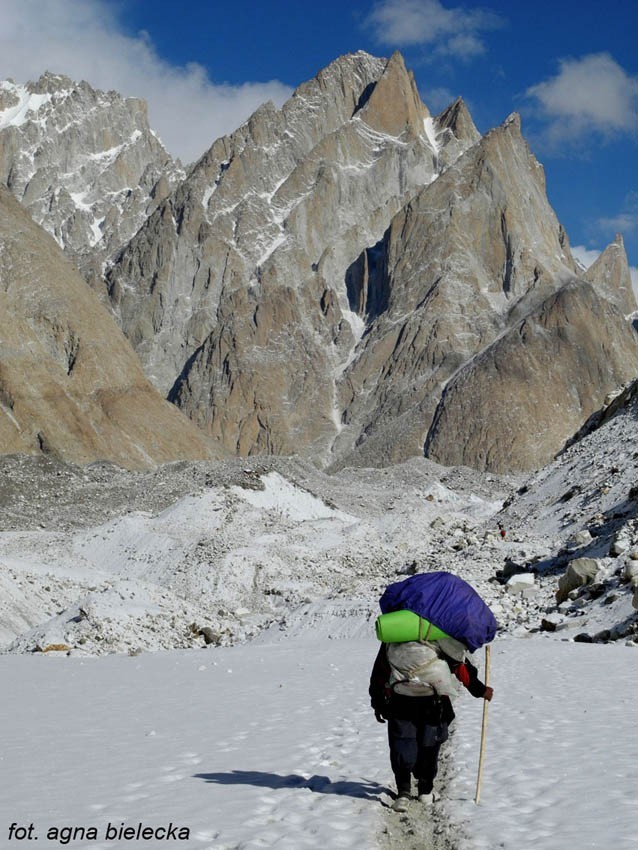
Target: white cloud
(624,222)
(593,94)
(585,256)
(83,40)
(450,31)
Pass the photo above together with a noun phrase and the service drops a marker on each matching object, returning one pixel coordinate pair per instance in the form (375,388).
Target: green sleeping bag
(403,626)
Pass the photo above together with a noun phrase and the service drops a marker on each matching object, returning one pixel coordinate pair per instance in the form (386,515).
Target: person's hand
(489,693)
(379,716)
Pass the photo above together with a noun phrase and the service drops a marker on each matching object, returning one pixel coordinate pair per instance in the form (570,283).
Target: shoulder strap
(424,638)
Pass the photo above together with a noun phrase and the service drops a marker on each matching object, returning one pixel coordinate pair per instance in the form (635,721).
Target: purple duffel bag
(448,602)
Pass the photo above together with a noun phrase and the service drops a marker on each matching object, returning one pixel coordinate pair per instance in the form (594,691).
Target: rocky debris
(627,631)
(509,570)
(624,539)
(598,500)
(580,538)
(581,571)
(123,616)
(209,571)
(70,384)
(210,635)
(597,522)
(208,580)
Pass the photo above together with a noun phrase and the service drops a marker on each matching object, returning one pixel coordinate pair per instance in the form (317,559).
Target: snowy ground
(559,770)
(246,747)
(261,746)
(264,737)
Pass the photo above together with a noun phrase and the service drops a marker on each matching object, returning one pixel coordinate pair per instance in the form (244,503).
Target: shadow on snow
(320,784)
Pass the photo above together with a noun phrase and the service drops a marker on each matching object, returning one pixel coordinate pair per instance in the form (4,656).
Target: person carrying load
(429,623)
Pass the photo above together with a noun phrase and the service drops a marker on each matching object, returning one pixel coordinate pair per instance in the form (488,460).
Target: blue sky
(570,69)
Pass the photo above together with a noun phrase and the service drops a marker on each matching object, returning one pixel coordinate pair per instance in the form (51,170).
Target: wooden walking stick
(486,703)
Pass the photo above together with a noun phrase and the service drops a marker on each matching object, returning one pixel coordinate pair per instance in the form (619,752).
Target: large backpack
(445,601)
(417,670)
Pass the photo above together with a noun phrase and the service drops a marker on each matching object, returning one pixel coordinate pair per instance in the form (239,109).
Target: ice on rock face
(95,146)
(23,105)
(430,132)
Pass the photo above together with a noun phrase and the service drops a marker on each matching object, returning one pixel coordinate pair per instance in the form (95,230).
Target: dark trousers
(415,734)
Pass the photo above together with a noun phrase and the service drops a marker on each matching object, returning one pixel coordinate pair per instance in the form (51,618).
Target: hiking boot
(425,793)
(401,803)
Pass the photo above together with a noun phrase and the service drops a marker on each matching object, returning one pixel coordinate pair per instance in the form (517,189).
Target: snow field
(28,105)
(248,747)
(559,768)
(291,501)
(272,743)
(260,746)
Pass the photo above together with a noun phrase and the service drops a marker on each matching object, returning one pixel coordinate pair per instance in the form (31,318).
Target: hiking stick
(479,778)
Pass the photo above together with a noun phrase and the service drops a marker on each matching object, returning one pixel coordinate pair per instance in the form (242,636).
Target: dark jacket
(388,704)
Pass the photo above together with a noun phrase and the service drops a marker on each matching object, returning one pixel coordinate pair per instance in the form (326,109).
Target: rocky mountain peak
(456,118)
(287,202)
(513,119)
(346,277)
(509,132)
(394,106)
(50,83)
(341,88)
(455,132)
(610,273)
(364,231)
(482,234)
(85,163)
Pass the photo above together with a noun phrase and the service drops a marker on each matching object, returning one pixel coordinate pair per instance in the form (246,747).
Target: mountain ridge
(70,384)
(320,280)
(84,162)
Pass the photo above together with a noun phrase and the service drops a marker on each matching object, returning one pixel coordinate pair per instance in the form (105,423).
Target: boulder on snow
(54,647)
(551,624)
(621,543)
(511,568)
(580,538)
(522,583)
(583,637)
(630,573)
(210,636)
(580,571)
